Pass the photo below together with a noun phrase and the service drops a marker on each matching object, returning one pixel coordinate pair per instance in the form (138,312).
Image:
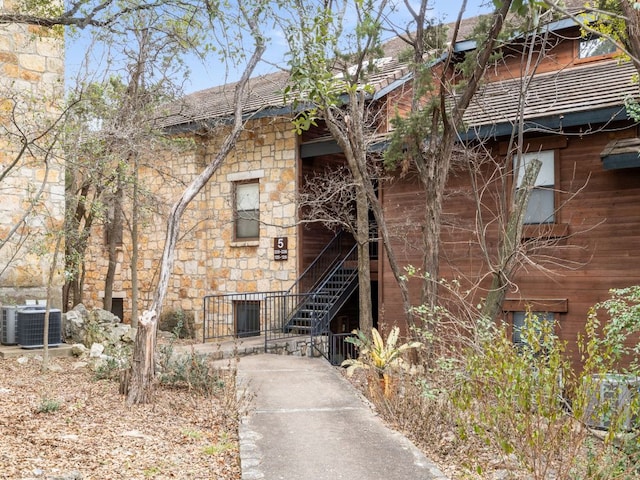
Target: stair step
(314,310)
(301,323)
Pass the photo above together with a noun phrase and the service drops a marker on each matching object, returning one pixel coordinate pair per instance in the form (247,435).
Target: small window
(519,319)
(595,47)
(541,206)
(247,314)
(247,210)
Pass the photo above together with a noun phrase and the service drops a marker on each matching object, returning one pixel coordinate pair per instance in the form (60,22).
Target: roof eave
(548,124)
(269,112)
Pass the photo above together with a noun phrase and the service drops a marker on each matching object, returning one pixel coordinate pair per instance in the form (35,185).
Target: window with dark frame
(247,210)
(519,320)
(541,207)
(593,46)
(117,307)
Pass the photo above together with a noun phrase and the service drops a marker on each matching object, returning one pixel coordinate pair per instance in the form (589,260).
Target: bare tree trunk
(510,244)
(364,262)
(47,312)
(78,225)
(139,384)
(134,249)
(351,135)
(434,163)
(114,234)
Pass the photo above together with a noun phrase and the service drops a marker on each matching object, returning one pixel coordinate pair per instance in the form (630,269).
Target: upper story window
(541,207)
(247,210)
(591,47)
(538,321)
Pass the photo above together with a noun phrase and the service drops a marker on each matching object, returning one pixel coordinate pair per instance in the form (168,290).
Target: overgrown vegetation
(179,368)
(117,359)
(179,322)
(197,372)
(381,358)
(494,407)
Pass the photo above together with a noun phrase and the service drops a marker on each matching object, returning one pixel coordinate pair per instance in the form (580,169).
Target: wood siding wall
(598,219)
(599,211)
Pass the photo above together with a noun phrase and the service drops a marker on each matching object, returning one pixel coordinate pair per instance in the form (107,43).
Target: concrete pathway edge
(285,390)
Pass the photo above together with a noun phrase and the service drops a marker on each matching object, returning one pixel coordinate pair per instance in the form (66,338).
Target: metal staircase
(316,309)
(308,307)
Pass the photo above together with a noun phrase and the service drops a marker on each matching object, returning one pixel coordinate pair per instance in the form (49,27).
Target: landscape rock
(74,322)
(130,336)
(501,474)
(78,350)
(98,363)
(97,349)
(81,326)
(54,367)
(66,476)
(115,333)
(102,316)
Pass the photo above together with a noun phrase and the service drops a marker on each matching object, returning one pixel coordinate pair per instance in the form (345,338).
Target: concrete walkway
(307,421)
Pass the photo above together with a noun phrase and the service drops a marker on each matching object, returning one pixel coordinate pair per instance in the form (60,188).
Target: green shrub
(480,398)
(512,398)
(191,370)
(48,405)
(607,391)
(178,322)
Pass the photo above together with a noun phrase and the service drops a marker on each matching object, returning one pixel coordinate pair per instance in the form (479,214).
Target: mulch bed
(66,424)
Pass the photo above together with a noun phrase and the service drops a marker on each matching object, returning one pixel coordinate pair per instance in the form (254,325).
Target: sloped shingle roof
(264,92)
(572,89)
(578,89)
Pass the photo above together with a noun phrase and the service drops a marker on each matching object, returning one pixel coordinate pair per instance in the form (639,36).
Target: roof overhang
(621,153)
(548,124)
(207,124)
(328,146)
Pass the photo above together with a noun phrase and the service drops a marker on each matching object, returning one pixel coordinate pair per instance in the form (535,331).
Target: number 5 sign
(280,249)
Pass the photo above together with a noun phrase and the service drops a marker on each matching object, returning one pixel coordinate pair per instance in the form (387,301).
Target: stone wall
(32,181)
(208,259)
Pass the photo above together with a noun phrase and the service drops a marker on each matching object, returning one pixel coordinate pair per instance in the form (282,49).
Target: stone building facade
(32,178)
(210,259)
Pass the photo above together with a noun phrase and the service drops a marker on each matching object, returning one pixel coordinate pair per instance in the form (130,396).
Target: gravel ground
(65,424)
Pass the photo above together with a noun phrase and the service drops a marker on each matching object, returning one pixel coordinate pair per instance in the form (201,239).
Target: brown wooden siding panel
(314,236)
(603,249)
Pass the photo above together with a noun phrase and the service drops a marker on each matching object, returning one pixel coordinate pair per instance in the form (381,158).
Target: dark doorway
(247,315)
(117,307)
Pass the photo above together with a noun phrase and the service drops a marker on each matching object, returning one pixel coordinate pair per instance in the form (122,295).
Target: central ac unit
(609,400)
(30,331)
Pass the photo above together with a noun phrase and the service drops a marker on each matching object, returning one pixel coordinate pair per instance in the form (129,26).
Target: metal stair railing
(311,313)
(334,251)
(331,294)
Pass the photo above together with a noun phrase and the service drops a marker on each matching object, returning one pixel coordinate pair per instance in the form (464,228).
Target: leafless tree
(427,136)
(143,367)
